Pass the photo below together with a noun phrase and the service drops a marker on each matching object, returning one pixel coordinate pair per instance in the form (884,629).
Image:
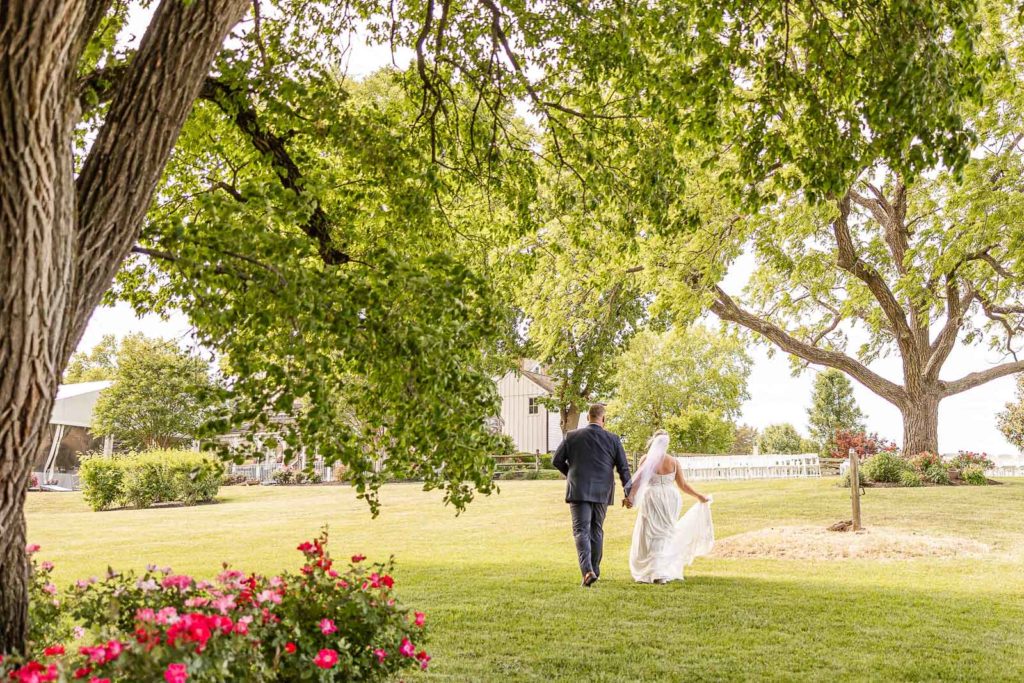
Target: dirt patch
(818,543)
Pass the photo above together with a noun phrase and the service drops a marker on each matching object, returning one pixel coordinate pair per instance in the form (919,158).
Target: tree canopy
(833,408)
(780,439)
(689,381)
(313,234)
(161,394)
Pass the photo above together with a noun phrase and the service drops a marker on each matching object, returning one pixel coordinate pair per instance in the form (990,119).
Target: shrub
(910,478)
(233,480)
(144,479)
(292,476)
(886,466)
(861,476)
(102,481)
(965,459)
(320,623)
(863,443)
(974,475)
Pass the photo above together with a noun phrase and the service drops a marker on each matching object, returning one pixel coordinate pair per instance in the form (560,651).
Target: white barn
(532,426)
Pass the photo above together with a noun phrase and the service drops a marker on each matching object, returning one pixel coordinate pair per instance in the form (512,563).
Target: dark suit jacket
(588,458)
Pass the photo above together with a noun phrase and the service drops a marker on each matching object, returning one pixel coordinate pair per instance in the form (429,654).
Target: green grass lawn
(500,585)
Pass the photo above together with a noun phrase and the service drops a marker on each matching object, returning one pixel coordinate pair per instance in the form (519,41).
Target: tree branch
(235,105)
(976,379)
(849,261)
(725,308)
(128,156)
(943,345)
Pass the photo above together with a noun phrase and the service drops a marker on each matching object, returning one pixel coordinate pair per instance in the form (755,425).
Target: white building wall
(530,432)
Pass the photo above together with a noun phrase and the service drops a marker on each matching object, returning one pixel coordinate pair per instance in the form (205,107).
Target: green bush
(102,480)
(910,478)
(936,475)
(974,475)
(886,466)
(142,480)
(861,476)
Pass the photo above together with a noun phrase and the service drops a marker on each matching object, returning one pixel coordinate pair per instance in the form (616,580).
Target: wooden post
(855,488)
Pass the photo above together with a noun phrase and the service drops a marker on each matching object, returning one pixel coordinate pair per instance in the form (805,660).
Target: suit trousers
(588,532)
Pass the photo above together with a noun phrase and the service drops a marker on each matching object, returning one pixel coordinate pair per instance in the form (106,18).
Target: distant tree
(160,396)
(780,438)
(695,430)
(1011,420)
(689,381)
(93,366)
(744,439)
(833,407)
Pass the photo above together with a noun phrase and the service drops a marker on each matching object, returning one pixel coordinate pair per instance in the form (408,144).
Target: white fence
(713,467)
(264,472)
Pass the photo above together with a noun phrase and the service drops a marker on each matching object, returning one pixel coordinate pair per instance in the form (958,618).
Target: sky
(966,421)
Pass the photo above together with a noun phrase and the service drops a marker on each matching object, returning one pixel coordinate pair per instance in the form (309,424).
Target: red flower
(387,581)
(380,654)
(423,658)
(82,672)
(326,659)
(407,649)
(54,650)
(176,673)
(305,547)
(356,559)
(290,648)
(421,618)
(327,627)
(32,548)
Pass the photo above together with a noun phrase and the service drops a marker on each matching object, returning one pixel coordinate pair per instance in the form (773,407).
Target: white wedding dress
(663,543)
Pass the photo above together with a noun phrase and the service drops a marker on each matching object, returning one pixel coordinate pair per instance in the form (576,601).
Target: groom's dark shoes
(589,579)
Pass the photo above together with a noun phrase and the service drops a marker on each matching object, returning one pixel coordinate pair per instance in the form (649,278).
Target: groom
(588,457)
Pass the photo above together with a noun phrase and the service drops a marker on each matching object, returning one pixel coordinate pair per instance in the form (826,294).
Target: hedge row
(142,480)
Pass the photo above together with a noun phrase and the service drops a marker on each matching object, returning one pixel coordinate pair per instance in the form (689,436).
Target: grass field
(500,583)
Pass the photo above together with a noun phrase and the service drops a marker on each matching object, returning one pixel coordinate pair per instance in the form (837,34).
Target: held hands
(627,503)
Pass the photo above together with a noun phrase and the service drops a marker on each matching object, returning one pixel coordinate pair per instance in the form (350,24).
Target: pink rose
(326,658)
(380,654)
(421,618)
(176,673)
(327,626)
(32,548)
(407,649)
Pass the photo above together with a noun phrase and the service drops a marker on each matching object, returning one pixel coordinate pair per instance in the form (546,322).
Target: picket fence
(740,467)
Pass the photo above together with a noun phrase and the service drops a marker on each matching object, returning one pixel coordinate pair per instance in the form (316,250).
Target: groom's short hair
(596,412)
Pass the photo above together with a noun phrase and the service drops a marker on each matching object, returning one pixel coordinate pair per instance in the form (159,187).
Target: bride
(663,544)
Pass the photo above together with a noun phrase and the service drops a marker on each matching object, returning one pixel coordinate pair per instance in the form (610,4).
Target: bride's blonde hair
(660,432)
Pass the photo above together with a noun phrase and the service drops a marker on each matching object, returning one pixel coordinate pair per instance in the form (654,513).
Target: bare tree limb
(976,379)
(725,308)
(849,261)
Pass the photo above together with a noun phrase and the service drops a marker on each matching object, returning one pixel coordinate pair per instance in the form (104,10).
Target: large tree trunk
(37,202)
(569,418)
(921,424)
(62,239)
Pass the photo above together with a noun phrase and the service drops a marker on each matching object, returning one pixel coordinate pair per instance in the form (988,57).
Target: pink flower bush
(170,627)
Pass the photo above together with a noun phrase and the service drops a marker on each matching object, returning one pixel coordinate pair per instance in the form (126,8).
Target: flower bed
(319,624)
(891,468)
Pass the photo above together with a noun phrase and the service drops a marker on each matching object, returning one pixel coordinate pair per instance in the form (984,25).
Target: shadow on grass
(713,628)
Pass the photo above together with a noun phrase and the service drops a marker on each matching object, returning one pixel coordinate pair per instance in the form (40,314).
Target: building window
(534,406)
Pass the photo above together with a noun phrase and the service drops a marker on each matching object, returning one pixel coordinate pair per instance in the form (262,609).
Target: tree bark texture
(62,239)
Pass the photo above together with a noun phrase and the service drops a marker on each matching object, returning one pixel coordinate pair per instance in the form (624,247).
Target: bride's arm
(686,488)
